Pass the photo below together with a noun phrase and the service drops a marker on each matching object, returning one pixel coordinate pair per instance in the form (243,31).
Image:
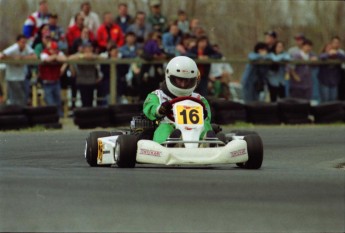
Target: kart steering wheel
(179,99)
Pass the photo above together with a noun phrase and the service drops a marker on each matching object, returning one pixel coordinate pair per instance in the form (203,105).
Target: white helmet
(181,76)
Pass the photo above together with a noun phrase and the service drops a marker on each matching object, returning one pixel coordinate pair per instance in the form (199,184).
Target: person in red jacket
(74,32)
(109,33)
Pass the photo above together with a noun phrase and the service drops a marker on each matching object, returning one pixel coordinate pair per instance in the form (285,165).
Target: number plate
(189,115)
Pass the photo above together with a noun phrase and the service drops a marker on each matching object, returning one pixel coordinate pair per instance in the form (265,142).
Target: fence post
(113,83)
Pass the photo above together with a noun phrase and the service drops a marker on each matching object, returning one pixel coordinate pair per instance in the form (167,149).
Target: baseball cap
(155,2)
(299,36)
(271,33)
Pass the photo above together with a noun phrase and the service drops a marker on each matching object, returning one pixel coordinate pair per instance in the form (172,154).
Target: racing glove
(165,108)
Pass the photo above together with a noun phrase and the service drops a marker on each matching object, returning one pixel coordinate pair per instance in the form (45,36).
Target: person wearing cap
(91,19)
(56,32)
(50,72)
(36,20)
(271,39)
(299,38)
(156,19)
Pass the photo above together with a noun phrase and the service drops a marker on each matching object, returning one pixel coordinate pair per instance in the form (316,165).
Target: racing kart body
(126,148)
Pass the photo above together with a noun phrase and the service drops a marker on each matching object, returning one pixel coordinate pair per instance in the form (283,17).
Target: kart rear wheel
(91,146)
(255,152)
(126,151)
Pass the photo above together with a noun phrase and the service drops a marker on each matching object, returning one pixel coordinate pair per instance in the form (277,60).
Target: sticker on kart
(189,115)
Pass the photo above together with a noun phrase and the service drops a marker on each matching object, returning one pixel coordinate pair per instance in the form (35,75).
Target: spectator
(271,39)
(87,76)
(184,45)
(156,19)
(123,19)
(50,73)
(182,22)
(203,51)
(109,33)
(330,75)
(194,26)
(299,38)
(56,32)
(220,76)
(301,84)
(41,39)
(276,72)
(74,32)
(253,77)
(140,28)
(152,75)
(36,20)
(15,73)
(171,39)
(335,42)
(84,38)
(91,19)
(103,87)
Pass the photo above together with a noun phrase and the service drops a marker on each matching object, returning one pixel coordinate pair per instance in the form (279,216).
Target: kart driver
(181,79)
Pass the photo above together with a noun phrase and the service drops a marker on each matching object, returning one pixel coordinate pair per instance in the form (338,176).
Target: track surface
(46,185)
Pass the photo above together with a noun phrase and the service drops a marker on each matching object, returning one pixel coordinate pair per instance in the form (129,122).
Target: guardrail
(114,62)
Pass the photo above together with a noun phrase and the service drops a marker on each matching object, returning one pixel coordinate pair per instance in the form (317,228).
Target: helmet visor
(183,83)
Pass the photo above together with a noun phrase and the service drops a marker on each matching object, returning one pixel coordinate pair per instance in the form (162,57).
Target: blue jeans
(52,95)
(328,93)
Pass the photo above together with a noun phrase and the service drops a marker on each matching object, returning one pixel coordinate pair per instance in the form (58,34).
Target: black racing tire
(90,112)
(91,147)
(44,110)
(13,122)
(6,110)
(126,149)
(116,133)
(255,152)
(126,108)
(44,119)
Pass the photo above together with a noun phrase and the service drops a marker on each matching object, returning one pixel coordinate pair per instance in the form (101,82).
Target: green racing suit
(166,127)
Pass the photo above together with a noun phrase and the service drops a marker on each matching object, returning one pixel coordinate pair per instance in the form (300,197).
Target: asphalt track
(46,185)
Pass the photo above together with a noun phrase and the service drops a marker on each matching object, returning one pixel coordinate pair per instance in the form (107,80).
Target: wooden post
(113,83)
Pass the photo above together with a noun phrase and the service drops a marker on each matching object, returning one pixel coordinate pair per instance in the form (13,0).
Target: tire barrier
(329,112)
(14,117)
(294,111)
(263,113)
(228,112)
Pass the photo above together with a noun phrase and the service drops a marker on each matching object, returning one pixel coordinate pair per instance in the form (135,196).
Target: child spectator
(330,75)
(184,45)
(171,39)
(50,72)
(87,76)
(15,73)
(109,33)
(254,75)
(182,22)
(41,39)
(56,32)
(220,77)
(276,72)
(123,19)
(83,39)
(91,19)
(203,51)
(301,84)
(156,19)
(140,28)
(36,20)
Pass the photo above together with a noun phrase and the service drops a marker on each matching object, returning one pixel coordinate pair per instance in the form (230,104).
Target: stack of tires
(228,112)
(47,116)
(328,112)
(92,117)
(12,117)
(294,111)
(263,113)
(121,114)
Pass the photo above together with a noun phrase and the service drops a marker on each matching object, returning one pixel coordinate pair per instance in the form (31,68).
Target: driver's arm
(207,122)
(151,105)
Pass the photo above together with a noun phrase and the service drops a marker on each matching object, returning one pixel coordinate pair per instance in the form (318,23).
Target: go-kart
(126,148)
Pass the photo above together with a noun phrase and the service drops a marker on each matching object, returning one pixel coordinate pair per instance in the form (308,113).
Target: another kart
(127,148)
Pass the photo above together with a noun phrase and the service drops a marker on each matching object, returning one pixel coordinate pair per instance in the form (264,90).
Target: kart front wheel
(255,152)
(91,146)
(126,151)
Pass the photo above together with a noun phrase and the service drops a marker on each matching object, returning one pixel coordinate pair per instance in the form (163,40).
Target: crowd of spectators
(152,37)
(318,83)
